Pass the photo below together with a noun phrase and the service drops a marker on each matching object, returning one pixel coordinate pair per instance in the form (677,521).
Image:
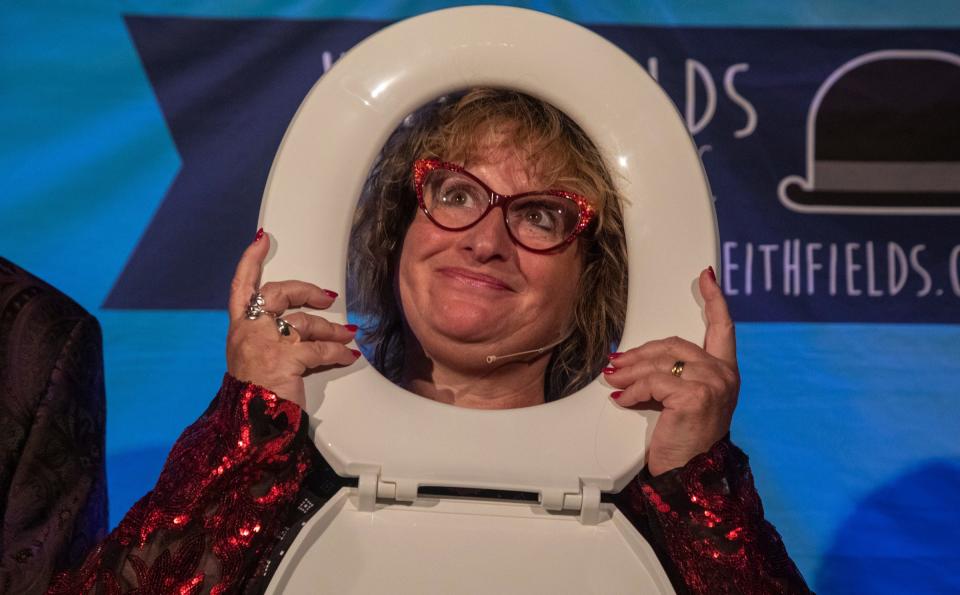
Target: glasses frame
(422,167)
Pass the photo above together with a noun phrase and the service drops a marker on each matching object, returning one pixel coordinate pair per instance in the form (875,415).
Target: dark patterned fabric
(245,475)
(53,500)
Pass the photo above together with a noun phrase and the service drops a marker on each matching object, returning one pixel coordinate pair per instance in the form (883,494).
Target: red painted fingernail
(351,327)
(713,275)
(614,355)
(329,293)
(609,370)
(356,353)
(259,236)
(616,394)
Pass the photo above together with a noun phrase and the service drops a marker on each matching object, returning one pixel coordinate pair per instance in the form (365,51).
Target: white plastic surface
(361,421)
(459,546)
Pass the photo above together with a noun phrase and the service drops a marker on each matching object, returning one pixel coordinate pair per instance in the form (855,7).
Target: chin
(468,327)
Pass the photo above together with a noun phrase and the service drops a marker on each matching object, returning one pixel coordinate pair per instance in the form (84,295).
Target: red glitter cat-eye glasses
(540,221)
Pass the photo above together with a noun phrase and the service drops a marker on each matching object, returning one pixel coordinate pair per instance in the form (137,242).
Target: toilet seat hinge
(373,489)
(590,505)
(586,502)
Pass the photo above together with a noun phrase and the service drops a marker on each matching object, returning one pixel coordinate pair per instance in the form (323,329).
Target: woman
(440,289)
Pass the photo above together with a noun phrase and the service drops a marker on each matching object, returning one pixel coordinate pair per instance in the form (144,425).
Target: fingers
(656,386)
(283,295)
(278,295)
(315,354)
(317,328)
(720,339)
(258,352)
(672,347)
(705,371)
(247,276)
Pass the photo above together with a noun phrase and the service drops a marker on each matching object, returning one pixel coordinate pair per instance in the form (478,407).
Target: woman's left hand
(698,404)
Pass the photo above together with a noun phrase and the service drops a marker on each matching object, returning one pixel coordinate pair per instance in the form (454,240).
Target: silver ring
(255,309)
(283,327)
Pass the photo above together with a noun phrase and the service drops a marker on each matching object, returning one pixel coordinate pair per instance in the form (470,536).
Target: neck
(502,385)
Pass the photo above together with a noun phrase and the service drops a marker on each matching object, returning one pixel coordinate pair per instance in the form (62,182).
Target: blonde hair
(457,129)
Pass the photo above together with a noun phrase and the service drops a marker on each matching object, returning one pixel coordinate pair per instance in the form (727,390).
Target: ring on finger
(255,308)
(677,368)
(283,327)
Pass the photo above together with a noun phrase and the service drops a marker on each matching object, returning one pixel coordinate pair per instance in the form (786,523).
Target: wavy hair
(457,128)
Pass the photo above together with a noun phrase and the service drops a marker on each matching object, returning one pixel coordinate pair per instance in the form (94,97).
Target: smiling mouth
(474,279)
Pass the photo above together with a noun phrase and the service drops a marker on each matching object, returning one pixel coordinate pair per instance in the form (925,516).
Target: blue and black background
(137,136)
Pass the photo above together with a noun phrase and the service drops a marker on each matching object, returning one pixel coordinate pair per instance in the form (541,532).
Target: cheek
(423,239)
(556,278)
(406,269)
(419,244)
(567,287)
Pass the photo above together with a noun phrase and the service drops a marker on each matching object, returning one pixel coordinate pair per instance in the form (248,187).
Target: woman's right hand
(258,353)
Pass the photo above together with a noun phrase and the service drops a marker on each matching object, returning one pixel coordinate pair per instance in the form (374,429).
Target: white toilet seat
(466,547)
(394,441)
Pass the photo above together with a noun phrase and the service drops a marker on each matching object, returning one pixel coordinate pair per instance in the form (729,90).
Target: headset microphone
(538,350)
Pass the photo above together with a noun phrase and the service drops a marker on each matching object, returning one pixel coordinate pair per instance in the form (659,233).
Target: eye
(541,215)
(457,196)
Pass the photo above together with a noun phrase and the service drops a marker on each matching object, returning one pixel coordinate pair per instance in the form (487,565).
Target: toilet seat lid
(362,423)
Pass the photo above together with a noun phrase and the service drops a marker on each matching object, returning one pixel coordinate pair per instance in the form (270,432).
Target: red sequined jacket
(231,478)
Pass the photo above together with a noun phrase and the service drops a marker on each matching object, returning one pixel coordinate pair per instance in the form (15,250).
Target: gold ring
(677,368)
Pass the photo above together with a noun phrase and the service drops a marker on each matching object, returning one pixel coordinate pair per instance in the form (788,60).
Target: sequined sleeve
(706,522)
(207,522)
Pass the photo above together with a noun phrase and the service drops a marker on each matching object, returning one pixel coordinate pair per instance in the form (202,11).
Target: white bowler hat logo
(883,136)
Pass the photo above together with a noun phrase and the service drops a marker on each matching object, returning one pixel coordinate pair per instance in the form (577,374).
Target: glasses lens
(453,199)
(542,221)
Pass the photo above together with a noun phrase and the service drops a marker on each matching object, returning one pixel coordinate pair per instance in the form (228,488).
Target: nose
(489,240)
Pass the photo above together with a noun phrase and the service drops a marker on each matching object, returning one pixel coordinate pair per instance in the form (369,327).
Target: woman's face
(473,293)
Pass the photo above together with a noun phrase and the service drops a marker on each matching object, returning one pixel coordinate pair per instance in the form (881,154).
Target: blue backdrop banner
(830,176)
